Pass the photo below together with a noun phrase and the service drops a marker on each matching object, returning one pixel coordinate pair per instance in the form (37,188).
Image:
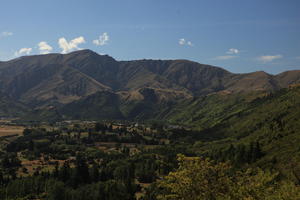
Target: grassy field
(6,130)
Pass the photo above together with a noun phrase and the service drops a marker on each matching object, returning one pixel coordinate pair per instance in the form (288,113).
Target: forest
(238,158)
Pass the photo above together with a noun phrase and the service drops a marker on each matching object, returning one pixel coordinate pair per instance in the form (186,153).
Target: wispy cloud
(226,57)
(69,46)
(44,47)
(233,51)
(6,34)
(269,58)
(23,51)
(183,41)
(102,40)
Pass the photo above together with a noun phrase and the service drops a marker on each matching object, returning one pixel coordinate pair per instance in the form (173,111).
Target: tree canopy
(198,179)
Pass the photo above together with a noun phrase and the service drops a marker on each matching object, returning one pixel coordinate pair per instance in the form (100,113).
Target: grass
(6,130)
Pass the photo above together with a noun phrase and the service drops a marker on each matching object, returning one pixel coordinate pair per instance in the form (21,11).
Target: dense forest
(247,149)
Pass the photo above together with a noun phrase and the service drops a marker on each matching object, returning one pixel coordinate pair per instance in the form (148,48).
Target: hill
(59,79)
(10,108)
(272,119)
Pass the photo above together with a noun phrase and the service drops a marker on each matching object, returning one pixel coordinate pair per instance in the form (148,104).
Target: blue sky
(238,35)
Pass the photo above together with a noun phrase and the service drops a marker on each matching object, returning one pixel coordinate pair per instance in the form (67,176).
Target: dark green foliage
(240,154)
(249,131)
(81,170)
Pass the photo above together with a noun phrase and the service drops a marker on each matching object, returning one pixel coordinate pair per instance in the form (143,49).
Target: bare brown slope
(254,81)
(46,79)
(288,78)
(180,75)
(64,78)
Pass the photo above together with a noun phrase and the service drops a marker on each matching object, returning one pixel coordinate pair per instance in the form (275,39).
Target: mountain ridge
(40,81)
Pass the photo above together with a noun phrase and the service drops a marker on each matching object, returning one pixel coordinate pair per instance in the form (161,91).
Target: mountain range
(84,84)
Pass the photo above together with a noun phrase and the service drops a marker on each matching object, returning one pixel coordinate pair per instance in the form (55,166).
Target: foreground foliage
(253,140)
(198,178)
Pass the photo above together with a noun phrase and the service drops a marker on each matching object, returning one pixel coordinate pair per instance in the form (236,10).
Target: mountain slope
(274,121)
(101,105)
(39,80)
(59,79)
(228,123)
(10,108)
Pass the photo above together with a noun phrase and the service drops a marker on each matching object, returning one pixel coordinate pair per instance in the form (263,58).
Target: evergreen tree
(81,170)
(57,191)
(65,172)
(95,173)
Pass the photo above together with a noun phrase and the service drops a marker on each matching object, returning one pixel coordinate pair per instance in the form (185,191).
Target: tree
(95,173)
(198,179)
(257,151)
(57,192)
(56,171)
(89,134)
(98,127)
(1,178)
(26,131)
(65,172)
(81,170)
(240,156)
(31,145)
(115,190)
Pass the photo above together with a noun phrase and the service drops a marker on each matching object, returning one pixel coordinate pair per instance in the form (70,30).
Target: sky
(238,35)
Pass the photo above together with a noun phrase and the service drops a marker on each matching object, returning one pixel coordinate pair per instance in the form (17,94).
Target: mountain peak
(84,53)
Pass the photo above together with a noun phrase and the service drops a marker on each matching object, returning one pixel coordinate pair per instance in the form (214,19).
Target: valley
(81,125)
(133,156)
(149,100)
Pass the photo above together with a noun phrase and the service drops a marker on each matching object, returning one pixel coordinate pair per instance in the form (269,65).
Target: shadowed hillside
(142,87)
(63,78)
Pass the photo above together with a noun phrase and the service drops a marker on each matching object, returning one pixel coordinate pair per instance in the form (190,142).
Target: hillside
(272,119)
(9,108)
(59,79)
(102,105)
(248,120)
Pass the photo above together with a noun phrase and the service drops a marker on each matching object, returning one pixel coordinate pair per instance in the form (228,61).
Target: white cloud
(183,41)
(23,51)
(102,40)
(227,57)
(6,34)
(269,58)
(233,51)
(189,43)
(44,47)
(69,46)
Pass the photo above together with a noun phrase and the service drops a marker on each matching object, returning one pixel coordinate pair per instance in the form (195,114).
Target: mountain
(36,80)
(223,108)
(10,108)
(272,119)
(101,105)
(137,88)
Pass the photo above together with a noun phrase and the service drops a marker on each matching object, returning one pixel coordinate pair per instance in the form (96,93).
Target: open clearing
(10,130)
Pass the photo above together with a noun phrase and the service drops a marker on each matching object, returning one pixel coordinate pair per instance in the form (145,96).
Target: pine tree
(81,170)
(65,172)
(95,173)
